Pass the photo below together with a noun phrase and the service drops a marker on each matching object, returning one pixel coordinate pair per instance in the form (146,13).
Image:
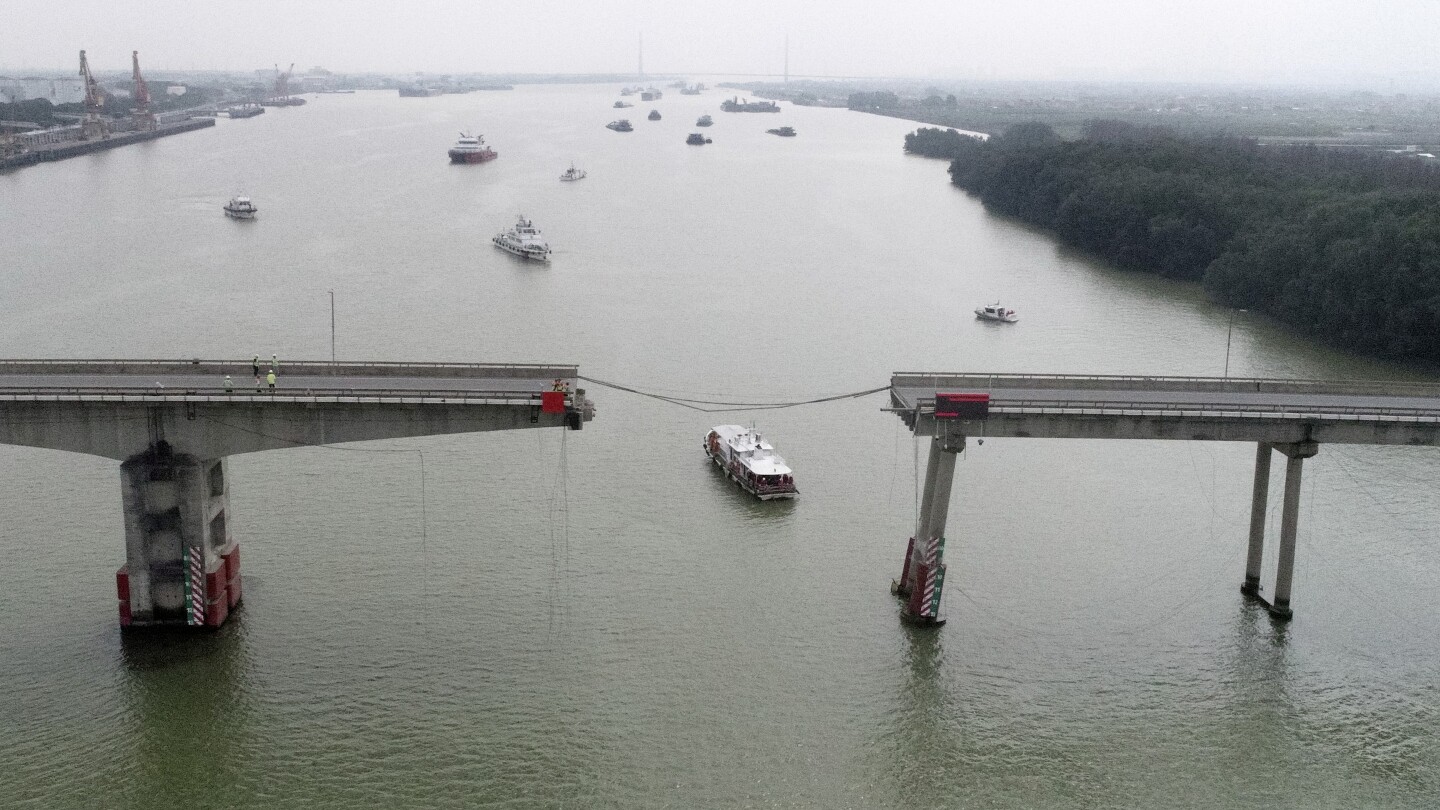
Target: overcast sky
(1383,44)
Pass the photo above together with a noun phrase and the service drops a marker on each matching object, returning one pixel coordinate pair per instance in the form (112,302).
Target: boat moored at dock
(750,461)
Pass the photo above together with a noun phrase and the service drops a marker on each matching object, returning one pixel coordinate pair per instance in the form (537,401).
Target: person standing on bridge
(274,364)
(270,378)
(255,367)
(229,385)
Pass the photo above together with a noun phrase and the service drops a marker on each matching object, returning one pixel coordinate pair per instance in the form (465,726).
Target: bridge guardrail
(1121,408)
(297,367)
(984,382)
(210,394)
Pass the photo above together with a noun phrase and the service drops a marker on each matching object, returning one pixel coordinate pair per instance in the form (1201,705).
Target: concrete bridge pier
(1295,453)
(181,565)
(922,577)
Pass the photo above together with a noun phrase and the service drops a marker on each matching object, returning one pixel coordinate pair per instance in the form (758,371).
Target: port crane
(93,126)
(282,82)
(144,119)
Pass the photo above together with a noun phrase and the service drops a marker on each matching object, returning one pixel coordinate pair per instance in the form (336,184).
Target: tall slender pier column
(1289,523)
(923,577)
(927,502)
(1258,504)
(181,565)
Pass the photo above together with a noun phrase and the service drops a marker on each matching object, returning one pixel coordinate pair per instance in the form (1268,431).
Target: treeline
(1340,244)
(47,114)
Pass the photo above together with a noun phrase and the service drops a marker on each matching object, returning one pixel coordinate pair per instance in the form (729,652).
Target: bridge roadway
(173,423)
(1185,408)
(1292,417)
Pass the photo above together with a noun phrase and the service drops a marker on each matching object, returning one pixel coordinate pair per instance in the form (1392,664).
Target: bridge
(172,423)
(1292,417)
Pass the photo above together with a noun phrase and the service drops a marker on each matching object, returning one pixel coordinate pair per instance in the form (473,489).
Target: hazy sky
(1384,44)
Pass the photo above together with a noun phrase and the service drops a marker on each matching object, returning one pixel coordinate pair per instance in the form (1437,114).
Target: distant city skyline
(1386,45)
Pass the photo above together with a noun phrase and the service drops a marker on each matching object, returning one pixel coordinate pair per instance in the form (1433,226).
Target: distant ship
(471,149)
(736,105)
(620,126)
(704,121)
(240,207)
(572,174)
(620,105)
(650,94)
(784,132)
(696,139)
(692,89)
(412,91)
(654,115)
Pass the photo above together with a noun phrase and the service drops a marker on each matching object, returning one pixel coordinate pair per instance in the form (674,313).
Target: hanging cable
(695,404)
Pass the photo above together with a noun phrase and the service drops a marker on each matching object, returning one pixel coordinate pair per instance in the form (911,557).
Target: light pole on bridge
(332,328)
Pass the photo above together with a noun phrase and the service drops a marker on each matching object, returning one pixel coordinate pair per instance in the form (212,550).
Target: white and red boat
(471,149)
(750,461)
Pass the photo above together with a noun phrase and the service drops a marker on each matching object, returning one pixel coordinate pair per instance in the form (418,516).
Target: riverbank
(60,151)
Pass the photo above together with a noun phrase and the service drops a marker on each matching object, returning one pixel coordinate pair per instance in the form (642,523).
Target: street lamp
(332,328)
(1228,330)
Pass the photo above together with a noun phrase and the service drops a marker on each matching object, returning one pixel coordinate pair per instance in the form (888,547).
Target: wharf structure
(1291,417)
(172,423)
(65,142)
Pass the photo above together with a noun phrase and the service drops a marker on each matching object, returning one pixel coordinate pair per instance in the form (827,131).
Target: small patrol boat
(995,312)
(240,207)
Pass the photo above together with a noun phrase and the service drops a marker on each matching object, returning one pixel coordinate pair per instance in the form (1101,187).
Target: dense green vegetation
(41,111)
(1339,244)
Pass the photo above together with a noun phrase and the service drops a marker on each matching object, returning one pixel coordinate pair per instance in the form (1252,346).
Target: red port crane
(93,126)
(144,119)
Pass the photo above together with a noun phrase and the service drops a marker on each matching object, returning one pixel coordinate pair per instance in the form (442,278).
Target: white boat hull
(532,255)
(991,316)
(740,482)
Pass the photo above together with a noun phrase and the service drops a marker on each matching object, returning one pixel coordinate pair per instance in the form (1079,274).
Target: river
(596,619)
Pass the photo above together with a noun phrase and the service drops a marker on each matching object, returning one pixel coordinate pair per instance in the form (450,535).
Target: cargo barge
(60,151)
(737,105)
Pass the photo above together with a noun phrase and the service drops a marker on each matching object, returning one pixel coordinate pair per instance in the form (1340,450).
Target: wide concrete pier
(1292,417)
(172,423)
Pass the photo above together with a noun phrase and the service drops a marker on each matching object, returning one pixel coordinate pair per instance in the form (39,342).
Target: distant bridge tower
(93,126)
(144,119)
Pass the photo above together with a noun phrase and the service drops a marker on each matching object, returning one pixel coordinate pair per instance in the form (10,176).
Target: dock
(68,149)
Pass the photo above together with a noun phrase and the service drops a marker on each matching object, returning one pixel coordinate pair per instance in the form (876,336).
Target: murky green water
(597,619)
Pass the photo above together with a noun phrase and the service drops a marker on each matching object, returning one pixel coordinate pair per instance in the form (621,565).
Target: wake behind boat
(995,312)
(523,240)
(750,461)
